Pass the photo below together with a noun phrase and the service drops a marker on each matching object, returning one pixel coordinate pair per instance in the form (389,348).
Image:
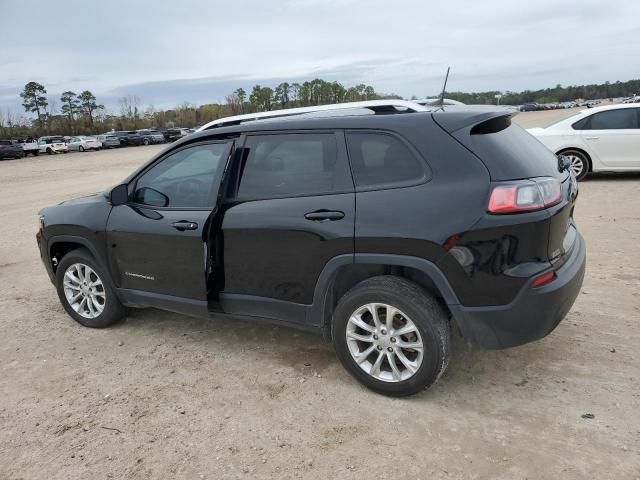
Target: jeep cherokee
(383,231)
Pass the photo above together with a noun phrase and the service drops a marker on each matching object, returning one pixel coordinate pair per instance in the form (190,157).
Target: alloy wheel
(84,290)
(384,342)
(576,163)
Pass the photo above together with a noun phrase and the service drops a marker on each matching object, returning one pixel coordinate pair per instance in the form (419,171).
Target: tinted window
(379,159)
(624,118)
(292,164)
(184,179)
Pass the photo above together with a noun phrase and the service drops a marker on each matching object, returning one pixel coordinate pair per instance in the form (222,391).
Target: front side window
(621,119)
(292,164)
(381,159)
(184,179)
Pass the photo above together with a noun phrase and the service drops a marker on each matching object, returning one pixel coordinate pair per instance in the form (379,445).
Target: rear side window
(380,159)
(292,164)
(622,119)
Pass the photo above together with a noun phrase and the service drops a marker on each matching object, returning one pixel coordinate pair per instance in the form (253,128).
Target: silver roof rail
(383,106)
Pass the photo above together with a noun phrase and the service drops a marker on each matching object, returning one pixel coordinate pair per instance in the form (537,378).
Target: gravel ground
(166,396)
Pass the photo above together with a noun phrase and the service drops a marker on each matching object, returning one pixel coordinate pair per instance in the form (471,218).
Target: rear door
(293,210)
(160,240)
(614,137)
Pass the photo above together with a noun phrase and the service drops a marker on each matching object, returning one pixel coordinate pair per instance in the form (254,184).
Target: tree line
(557,94)
(81,113)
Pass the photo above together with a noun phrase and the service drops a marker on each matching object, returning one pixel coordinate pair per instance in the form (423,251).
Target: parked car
(9,149)
(530,107)
(51,145)
(151,137)
(382,231)
(129,138)
(173,134)
(82,143)
(109,141)
(29,145)
(632,100)
(598,139)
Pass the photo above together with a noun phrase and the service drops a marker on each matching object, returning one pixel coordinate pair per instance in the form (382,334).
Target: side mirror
(119,195)
(151,197)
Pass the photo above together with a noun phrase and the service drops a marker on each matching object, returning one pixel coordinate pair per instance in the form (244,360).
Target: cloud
(200,51)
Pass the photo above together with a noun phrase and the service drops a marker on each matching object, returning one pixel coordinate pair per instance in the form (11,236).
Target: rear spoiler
(483,119)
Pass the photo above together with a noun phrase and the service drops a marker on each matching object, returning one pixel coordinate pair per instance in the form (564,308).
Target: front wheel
(86,292)
(49,151)
(146,142)
(81,148)
(391,336)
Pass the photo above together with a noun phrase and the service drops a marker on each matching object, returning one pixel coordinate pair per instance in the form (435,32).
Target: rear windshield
(511,153)
(55,140)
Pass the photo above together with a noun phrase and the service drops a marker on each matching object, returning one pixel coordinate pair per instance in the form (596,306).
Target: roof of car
(608,107)
(454,116)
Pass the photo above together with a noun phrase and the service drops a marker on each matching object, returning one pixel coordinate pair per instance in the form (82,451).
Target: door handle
(183,225)
(591,138)
(324,215)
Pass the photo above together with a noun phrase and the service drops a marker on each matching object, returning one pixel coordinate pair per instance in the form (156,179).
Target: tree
(261,98)
(88,105)
(129,110)
(242,97)
(34,100)
(70,107)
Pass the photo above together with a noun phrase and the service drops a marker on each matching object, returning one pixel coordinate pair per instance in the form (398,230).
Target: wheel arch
(344,272)
(61,245)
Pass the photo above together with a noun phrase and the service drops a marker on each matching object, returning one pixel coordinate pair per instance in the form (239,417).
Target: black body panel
(147,253)
(271,249)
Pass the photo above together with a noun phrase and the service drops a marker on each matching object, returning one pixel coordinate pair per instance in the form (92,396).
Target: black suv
(381,231)
(130,138)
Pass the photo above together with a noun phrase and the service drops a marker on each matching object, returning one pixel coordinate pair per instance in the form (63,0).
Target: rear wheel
(36,153)
(579,162)
(49,151)
(146,141)
(86,292)
(391,336)
(81,148)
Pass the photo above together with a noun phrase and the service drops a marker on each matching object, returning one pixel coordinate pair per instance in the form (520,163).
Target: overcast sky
(168,52)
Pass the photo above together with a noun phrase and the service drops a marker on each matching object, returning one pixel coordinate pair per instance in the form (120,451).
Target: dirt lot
(166,396)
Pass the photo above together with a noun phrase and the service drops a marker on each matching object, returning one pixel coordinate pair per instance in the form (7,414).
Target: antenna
(444,87)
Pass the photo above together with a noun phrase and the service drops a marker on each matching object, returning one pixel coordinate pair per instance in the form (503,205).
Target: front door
(294,210)
(159,242)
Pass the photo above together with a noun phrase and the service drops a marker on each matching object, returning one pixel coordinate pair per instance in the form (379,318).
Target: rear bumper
(532,315)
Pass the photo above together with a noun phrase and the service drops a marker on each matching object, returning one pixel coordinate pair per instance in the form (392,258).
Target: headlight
(40,222)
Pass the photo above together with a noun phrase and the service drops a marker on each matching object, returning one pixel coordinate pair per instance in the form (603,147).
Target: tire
(414,310)
(49,151)
(112,310)
(81,148)
(146,142)
(36,153)
(579,162)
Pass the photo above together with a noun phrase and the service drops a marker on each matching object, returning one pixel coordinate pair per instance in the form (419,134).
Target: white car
(52,145)
(82,144)
(598,139)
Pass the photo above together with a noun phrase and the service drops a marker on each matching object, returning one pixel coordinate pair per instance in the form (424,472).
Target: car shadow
(471,369)
(618,176)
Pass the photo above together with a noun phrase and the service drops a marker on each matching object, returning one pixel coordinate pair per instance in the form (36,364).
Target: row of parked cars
(21,147)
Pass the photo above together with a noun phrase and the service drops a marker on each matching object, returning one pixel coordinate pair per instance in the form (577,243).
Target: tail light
(525,196)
